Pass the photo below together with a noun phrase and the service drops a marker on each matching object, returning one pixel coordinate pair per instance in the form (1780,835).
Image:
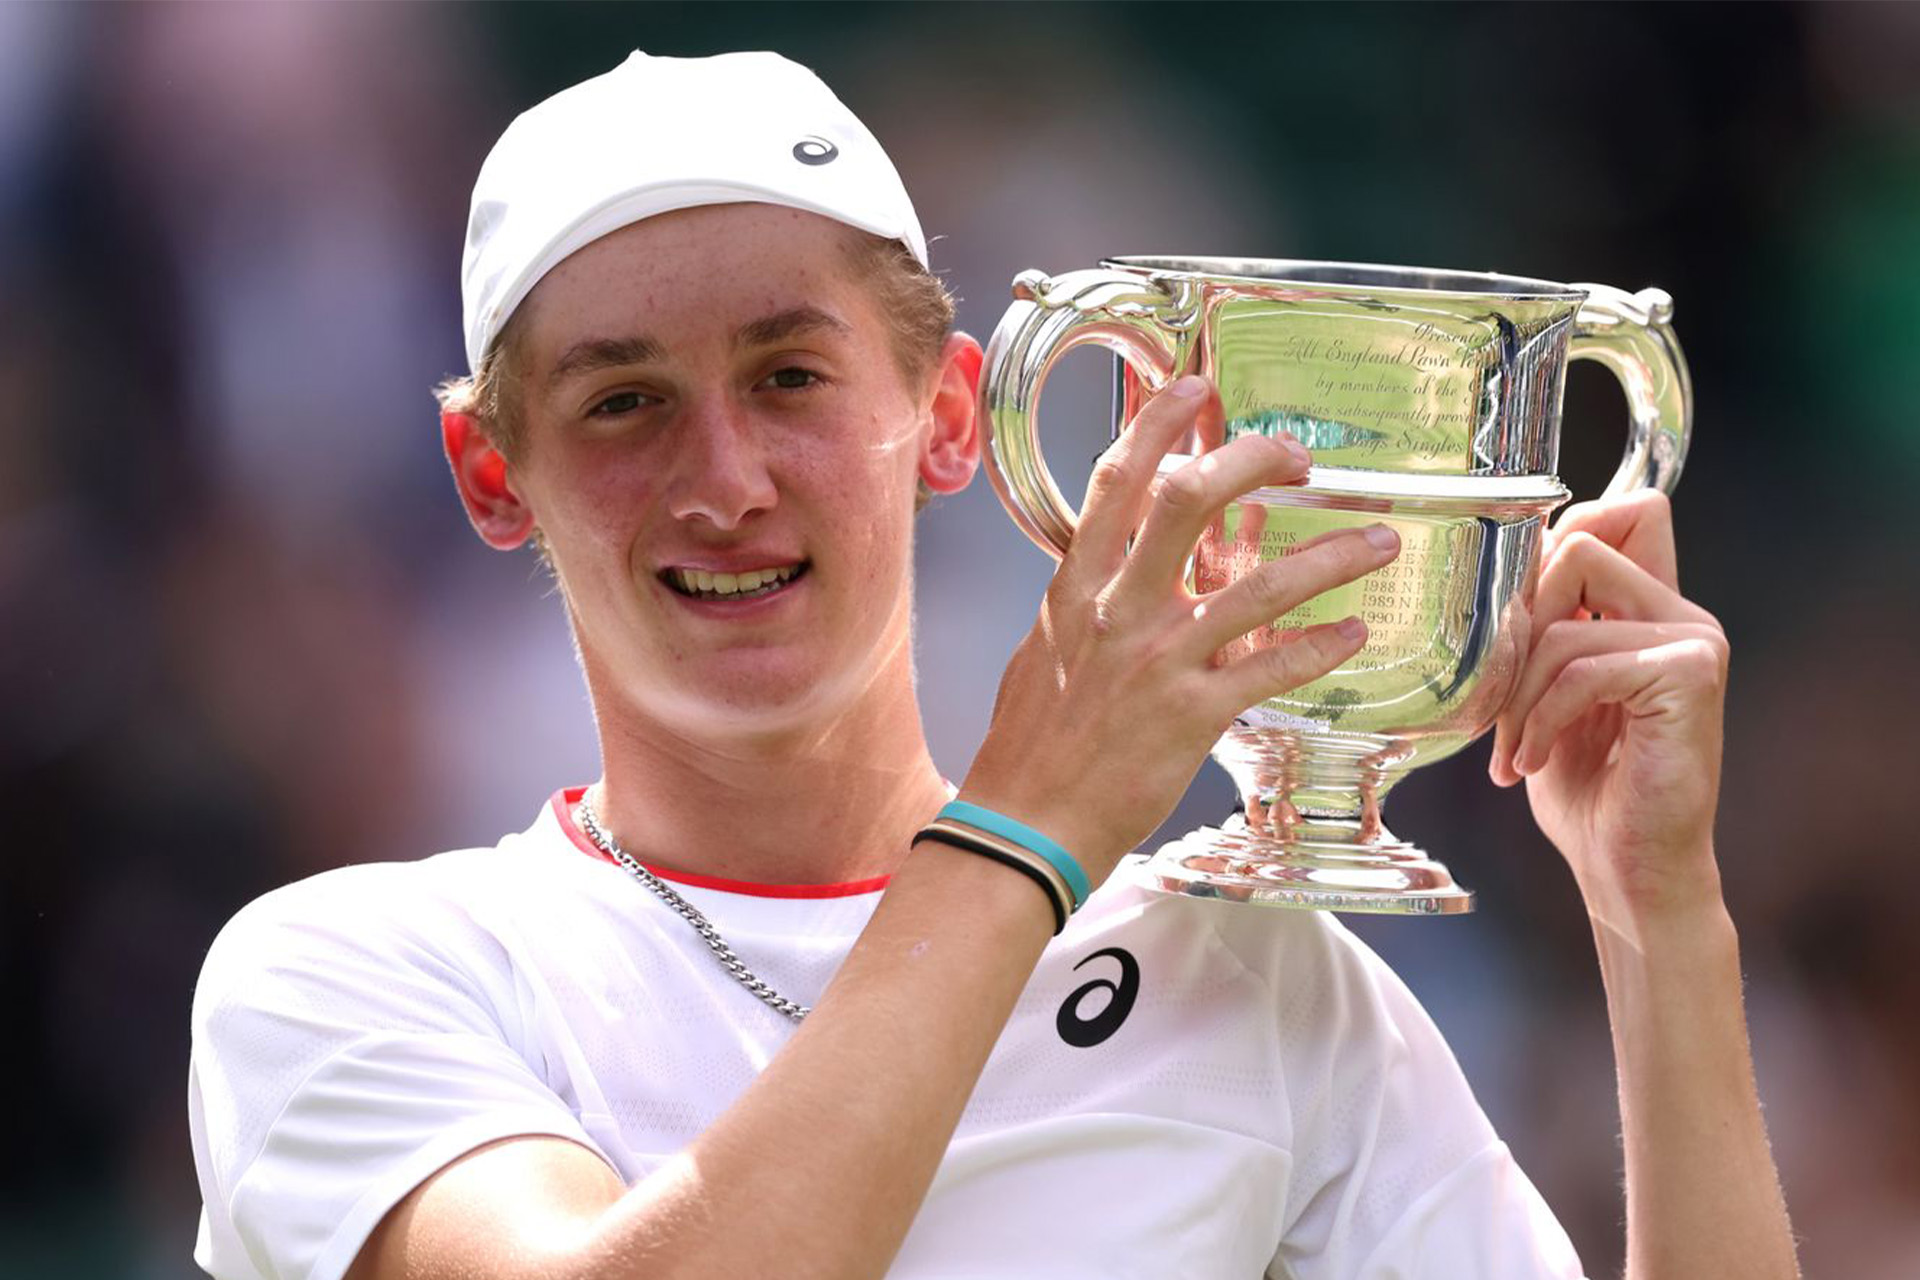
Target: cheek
(880,481)
(598,515)
(862,462)
(889,450)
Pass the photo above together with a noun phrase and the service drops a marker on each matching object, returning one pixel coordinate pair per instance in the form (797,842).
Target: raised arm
(821,1165)
(1616,728)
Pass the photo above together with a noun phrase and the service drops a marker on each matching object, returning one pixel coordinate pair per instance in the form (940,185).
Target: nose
(720,471)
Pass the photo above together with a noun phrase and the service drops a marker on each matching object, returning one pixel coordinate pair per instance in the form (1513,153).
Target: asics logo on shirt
(1083,1031)
(814,150)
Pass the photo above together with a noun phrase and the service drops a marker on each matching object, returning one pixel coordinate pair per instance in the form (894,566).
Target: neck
(833,803)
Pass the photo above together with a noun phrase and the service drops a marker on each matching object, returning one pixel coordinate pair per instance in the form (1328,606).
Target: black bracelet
(1061,910)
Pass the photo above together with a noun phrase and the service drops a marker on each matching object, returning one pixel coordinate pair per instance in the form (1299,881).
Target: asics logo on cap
(814,150)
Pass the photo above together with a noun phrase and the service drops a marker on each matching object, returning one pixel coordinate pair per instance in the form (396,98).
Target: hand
(1616,721)
(1109,705)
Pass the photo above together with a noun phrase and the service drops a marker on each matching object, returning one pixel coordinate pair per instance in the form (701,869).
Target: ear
(501,519)
(952,450)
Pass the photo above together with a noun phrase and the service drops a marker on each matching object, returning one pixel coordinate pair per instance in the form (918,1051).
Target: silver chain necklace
(605,842)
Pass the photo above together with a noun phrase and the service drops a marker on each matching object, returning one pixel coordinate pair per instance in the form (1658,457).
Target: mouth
(701,584)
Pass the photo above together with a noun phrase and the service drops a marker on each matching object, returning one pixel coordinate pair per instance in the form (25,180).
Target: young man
(708,386)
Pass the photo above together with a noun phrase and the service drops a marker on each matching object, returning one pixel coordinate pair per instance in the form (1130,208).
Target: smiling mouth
(698,584)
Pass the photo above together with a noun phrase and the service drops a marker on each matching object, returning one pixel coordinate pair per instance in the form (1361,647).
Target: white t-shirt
(1185,1088)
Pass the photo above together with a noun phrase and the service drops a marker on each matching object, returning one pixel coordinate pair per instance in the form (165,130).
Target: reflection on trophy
(1431,402)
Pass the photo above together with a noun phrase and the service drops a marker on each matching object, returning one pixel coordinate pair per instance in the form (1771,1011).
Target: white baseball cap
(658,134)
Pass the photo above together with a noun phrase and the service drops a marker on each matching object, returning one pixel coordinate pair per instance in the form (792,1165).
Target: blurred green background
(245,634)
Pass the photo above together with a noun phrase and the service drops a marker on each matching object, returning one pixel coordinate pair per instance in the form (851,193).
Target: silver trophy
(1431,402)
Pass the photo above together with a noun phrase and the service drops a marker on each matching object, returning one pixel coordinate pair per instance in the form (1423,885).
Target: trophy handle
(1630,334)
(1133,316)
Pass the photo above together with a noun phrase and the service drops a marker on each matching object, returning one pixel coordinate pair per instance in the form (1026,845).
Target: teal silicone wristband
(1027,838)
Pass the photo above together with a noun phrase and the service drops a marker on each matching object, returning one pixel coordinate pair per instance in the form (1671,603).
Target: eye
(793,378)
(615,405)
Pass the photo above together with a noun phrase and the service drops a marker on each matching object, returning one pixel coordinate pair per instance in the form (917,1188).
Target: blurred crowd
(245,634)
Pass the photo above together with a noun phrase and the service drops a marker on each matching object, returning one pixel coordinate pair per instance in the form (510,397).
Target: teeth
(701,582)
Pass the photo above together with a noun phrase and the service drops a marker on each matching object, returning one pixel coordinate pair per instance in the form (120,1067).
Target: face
(721,453)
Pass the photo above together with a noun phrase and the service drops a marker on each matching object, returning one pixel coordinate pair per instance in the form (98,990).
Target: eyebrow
(790,323)
(604,353)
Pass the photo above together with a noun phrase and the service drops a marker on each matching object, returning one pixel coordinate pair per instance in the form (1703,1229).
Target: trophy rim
(1370,278)
(1366,489)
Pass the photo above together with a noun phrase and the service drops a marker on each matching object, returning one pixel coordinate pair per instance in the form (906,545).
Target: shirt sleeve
(1486,1215)
(1397,1174)
(352,1034)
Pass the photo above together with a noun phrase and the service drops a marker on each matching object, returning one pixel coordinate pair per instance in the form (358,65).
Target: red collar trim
(564,800)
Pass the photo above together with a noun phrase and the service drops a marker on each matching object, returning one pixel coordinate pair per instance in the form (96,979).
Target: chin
(765,701)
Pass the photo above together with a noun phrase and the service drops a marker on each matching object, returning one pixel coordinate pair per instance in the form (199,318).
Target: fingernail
(1382,537)
(1294,447)
(1350,628)
(1189,387)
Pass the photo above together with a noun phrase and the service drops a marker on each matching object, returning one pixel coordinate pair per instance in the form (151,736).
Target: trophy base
(1321,864)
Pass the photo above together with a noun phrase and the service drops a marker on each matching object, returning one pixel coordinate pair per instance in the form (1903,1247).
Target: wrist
(1080,841)
(1645,888)
(1004,905)
(1673,932)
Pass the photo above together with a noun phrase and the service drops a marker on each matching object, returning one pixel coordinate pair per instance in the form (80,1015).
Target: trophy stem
(1312,836)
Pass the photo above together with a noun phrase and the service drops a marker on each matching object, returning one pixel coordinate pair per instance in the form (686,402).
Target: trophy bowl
(1431,402)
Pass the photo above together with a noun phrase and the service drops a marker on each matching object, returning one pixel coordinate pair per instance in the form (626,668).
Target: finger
(1253,525)
(1566,642)
(1280,586)
(1219,564)
(1185,500)
(1220,558)
(1122,479)
(1638,524)
(1249,535)
(1300,657)
(1632,679)
(1209,427)
(1585,576)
